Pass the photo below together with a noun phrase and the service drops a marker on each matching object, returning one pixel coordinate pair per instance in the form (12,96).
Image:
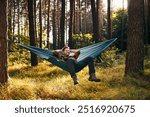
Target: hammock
(89,51)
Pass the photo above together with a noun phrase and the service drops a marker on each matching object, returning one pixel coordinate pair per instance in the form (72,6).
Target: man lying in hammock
(70,56)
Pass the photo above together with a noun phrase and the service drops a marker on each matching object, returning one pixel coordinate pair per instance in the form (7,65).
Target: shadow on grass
(34,72)
(13,73)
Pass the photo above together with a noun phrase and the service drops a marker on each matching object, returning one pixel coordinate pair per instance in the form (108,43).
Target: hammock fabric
(89,51)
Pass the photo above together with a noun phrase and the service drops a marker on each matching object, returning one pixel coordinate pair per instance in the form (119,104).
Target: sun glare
(116,4)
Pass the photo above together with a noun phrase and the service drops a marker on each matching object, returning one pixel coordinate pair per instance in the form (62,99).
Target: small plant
(81,40)
(108,58)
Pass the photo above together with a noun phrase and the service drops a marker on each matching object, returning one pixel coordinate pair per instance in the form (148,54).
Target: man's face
(67,51)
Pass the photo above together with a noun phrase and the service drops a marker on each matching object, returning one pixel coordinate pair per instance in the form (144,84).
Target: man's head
(66,50)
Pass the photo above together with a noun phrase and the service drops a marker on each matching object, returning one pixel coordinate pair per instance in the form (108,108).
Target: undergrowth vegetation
(47,82)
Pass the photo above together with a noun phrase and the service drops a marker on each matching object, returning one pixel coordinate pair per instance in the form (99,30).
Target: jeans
(72,65)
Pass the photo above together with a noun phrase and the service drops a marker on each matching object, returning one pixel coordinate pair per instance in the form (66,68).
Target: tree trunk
(95,22)
(14,18)
(26,32)
(54,26)
(48,25)
(40,22)
(45,7)
(18,13)
(3,42)
(77,18)
(21,19)
(10,3)
(34,60)
(58,40)
(135,45)
(100,18)
(71,22)
(62,24)
(146,26)
(85,17)
(109,19)
(122,26)
(66,26)
(73,17)
(35,21)
(148,21)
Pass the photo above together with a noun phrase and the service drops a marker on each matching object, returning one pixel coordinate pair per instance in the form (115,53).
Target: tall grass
(48,82)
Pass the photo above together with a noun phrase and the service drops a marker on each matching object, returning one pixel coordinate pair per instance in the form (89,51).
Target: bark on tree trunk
(40,22)
(34,60)
(95,22)
(35,21)
(135,45)
(149,21)
(100,18)
(85,17)
(58,40)
(18,11)
(54,26)
(10,3)
(77,18)
(14,18)
(71,22)
(3,42)
(48,25)
(109,20)
(146,26)
(62,24)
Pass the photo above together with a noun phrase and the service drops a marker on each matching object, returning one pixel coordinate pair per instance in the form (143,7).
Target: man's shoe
(75,80)
(94,78)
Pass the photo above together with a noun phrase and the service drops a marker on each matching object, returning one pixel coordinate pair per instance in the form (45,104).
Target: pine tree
(3,42)
(34,60)
(135,43)
(62,24)
(109,19)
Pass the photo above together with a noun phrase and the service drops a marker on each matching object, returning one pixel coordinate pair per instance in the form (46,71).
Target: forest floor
(48,82)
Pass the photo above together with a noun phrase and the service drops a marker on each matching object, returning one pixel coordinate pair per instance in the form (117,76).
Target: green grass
(48,82)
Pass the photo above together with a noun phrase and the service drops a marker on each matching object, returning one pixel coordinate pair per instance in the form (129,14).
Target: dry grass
(47,82)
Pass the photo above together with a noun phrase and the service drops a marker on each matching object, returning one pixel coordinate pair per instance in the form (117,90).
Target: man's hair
(65,47)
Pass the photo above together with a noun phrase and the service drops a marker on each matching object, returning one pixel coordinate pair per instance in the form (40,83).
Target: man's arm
(76,53)
(56,53)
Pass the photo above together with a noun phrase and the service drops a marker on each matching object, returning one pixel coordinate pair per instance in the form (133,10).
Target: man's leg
(71,69)
(89,61)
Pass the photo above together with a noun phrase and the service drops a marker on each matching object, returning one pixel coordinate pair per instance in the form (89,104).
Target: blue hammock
(89,51)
